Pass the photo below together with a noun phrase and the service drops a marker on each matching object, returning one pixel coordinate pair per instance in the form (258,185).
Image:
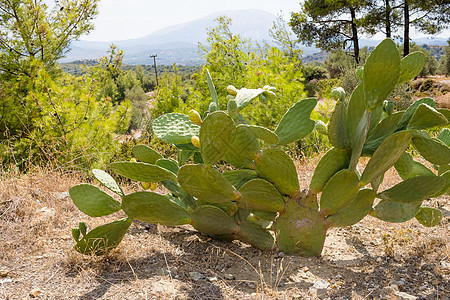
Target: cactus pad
(93,201)
(395,212)
(260,194)
(339,191)
(261,133)
(154,208)
(355,211)
(217,133)
(255,235)
(381,73)
(104,238)
(206,183)
(175,128)
(107,181)
(277,167)
(142,172)
(429,217)
(145,154)
(213,221)
(426,117)
(386,155)
(432,149)
(414,189)
(238,177)
(296,122)
(411,66)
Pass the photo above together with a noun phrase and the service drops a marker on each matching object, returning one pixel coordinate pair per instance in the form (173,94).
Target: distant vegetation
(73,114)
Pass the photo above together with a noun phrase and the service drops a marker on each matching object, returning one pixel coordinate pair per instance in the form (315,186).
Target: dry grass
(156,262)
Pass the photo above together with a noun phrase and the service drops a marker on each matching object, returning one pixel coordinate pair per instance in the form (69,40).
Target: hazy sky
(119,19)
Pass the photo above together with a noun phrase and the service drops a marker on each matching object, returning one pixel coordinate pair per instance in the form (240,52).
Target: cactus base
(300,229)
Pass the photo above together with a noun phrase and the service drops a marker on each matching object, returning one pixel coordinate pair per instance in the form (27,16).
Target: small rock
(6,280)
(196,276)
(321,284)
(305,269)
(404,296)
(34,293)
(397,257)
(212,279)
(4,273)
(228,276)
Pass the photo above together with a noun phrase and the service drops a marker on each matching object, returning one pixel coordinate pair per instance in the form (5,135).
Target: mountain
(178,43)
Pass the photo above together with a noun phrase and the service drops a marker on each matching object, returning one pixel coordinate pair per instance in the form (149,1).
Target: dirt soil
(370,260)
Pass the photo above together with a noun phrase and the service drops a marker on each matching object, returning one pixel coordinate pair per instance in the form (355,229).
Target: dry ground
(370,260)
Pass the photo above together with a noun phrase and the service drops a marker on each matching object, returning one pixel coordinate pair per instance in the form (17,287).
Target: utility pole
(156,71)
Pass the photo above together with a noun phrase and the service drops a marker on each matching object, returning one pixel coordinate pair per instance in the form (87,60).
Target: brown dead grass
(155,262)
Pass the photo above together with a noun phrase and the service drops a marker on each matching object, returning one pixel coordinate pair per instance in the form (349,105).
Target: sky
(121,20)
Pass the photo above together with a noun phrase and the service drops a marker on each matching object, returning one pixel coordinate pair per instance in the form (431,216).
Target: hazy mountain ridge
(179,43)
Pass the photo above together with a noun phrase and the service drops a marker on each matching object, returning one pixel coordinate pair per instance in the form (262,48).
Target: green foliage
(262,192)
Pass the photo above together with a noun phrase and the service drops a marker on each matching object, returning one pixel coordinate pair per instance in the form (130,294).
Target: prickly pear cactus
(260,201)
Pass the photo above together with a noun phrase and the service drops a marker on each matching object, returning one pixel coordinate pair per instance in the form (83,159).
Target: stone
(404,296)
(228,276)
(212,279)
(34,293)
(4,273)
(196,276)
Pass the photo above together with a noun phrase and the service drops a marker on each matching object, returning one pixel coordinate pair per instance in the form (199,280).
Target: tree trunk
(406,29)
(355,35)
(388,18)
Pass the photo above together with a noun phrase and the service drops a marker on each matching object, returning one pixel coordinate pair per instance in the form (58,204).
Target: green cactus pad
(83,227)
(260,194)
(184,155)
(381,73)
(142,172)
(154,208)
(385,128)
(216,135)
(177,191)
(245,146)
(333,161)
(411,66)
(106,180)
(386,155)
(395,212)
(429,217)
(444,136)
(175,128)
(93,201)
(414,189)
(255,235)
(76,234)
(337,131)
(212,89)
(359,139)
(245,96)
(445,112)
(355,211)
(265,215)
(206,183)
(426,117)
(296,122)
(299,229)
(446,188)
(355,110)
(145,154)
(406,167)
(277,167)
(432,149)
(411,110)
(213,221)
(229,207)
(238,177)
(261,133)
(104,238)
(168,164)
(339,191)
